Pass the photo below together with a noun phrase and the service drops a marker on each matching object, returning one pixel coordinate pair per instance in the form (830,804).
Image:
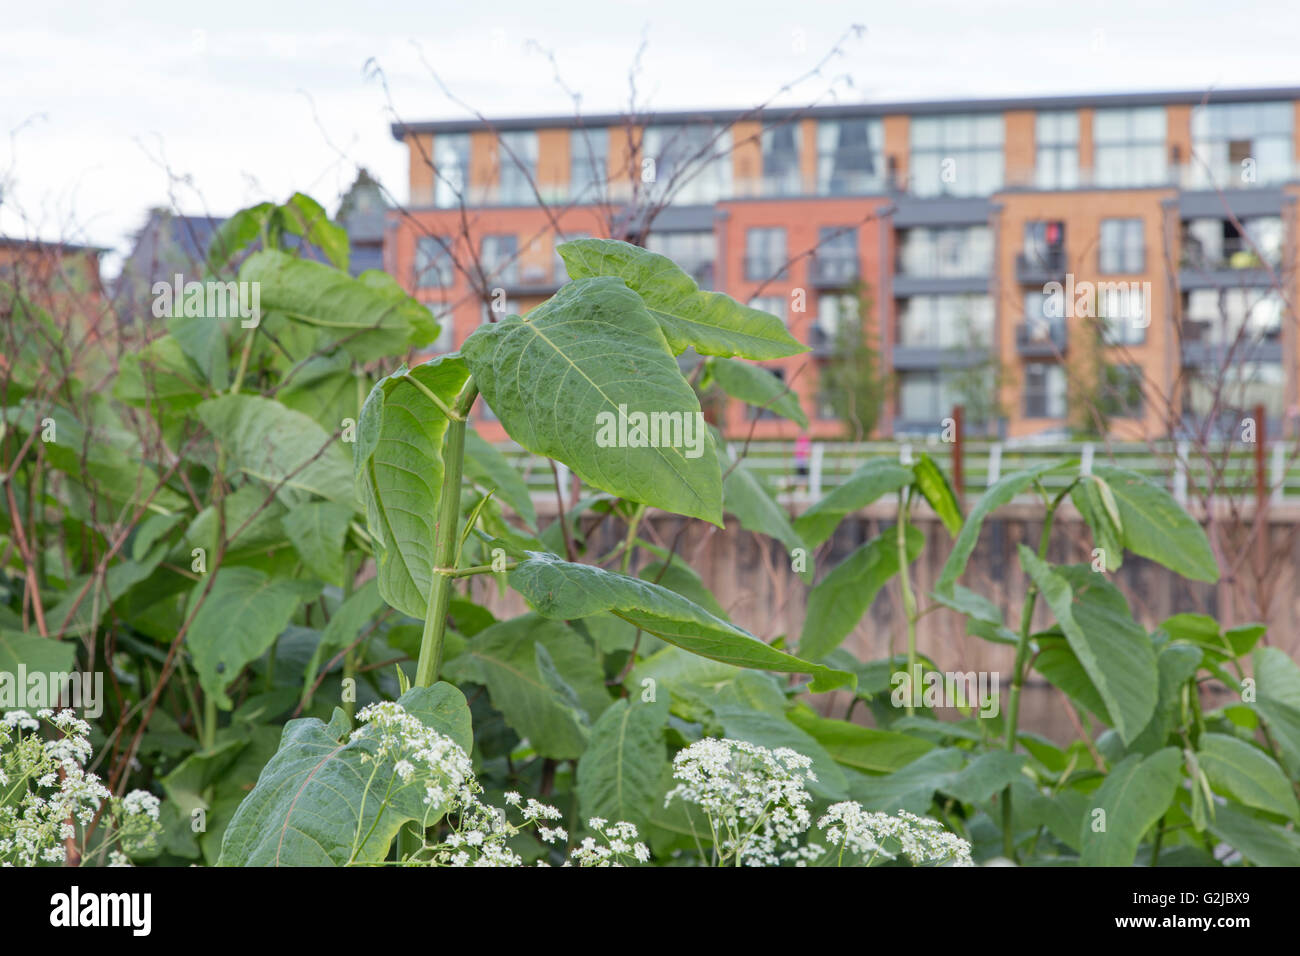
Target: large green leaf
(35,653)
(563,591)
(504,658)
(837,603)
(587,379)
(1096,503)
(1155,527)
(998,494)
(281,447)
(344,625)
(317,530)
(399,469)
(934,486)
(311,801)
(1113,649)
(1135,794)
(1260,841)
(861,748)
(912,787)
(746,496)
(240,618)
(1247,774)
(1277,702)
(618,775)
(758,387)
(709,322)
(877,477)
(488,467)
(369,316)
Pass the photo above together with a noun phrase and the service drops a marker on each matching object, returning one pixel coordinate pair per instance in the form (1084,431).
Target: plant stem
(445,538)
(909,599)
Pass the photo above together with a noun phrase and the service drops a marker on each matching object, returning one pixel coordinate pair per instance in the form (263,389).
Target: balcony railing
(1236,254)
(1041,267)
(1040,338)
(1205,345)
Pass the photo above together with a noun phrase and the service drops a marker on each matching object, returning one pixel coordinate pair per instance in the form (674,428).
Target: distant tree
(852,381)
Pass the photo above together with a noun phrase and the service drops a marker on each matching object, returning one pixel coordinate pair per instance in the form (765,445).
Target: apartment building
(1028,258)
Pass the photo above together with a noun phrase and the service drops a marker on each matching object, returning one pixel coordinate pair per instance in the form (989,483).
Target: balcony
(527,280)
(765,269)
(1235,265)
(1040,268)
(835,271)
(1204,347)
(915,356)
(822,341)
(1041,338)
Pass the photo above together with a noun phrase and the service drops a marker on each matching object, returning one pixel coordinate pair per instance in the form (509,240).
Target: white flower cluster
(49,795)
(755,801)
(865,834)
(479,835)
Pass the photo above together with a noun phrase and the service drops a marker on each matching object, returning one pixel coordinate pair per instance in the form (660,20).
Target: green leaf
(746,496)
(399,469)
(1260,841)
(1247,774)
(773,731)
(278,446)
(587,379)
(987,774)
(491,470)
(618,775)
(504,658)
(998,494)
(317,530)
(877,477)
(837,603)
(934,485)
(1113,649)
(311,801)
(560,590)
(236,234)
(709,322)
(369,316)
(758,387)
(35,653)
(861,748)
(681,577)
(343,627)
(1135,795)
(305,217)
(240,618)
(1177,664)
(911,788)
(1093,497)
(1154,526)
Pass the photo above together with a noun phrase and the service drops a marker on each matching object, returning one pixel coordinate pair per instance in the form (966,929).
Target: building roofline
(914,107)
(51,245)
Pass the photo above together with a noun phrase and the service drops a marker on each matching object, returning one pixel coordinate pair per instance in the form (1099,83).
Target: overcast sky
(109,108)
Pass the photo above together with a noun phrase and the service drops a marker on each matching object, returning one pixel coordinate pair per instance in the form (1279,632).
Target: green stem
(909,599)
(445,538)
(630,544)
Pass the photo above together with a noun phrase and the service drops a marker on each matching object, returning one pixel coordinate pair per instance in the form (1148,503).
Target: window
(689,163)
(1056,135)
(945,253)
(946,322)
(781,174)
(1123,246)
(956,155)
(836,259)
(450,168)
(833,311)
(1130,146)
(1224,316)
(849,157)
(1121,393)
(1216,244)
(588,163)
(1124,310)
(925,397)
(764,254)
(695,252)
(446,340)
(499,257)
(1044,390)
(434,268)
(517,159)
(1241,144)
(1044,248)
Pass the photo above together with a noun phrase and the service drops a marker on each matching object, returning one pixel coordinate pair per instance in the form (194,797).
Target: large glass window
(1225,316)
(517,159)
(691,163)
(836,259)
(434,268)
(450,168)
(926,397)
(695,252)
(850,157)
(1124,310)
(1056,137)
(1241,144)
(1123,246)
(947,252)
(588,163)
(765,256)
(956,155)
(833,311)
(1045,390)
(946,321)
(781,172)
(1217,244)
(499,256)
(1130,146)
